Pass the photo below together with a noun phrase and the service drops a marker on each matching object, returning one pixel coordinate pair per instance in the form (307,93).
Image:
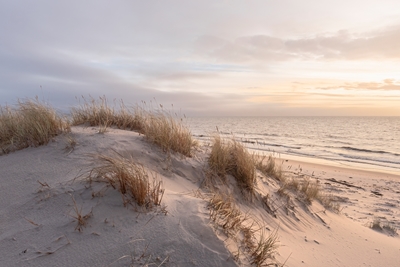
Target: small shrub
(129,178)
(29,124)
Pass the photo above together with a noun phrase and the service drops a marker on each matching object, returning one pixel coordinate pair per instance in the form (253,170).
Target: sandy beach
(39,224)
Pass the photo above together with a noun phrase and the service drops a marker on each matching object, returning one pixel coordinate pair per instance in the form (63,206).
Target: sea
(363,141)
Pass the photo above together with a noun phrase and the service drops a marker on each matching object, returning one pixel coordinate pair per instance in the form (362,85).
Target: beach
(39,225)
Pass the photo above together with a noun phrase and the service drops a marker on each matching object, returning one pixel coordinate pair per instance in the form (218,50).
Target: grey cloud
(339,46)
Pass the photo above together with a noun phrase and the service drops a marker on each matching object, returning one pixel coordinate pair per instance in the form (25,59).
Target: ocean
(372,141)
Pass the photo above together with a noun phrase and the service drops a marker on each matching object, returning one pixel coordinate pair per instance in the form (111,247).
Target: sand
(38,228)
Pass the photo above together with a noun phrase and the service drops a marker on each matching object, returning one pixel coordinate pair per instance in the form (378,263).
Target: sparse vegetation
(70,143)
(377,225)
(224,213)
(310,189)
(29,124)
(129,178)
(80,219)
(268,166)
(244,230)
(265,249)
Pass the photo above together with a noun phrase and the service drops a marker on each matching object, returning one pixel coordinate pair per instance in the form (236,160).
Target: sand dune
(38,225)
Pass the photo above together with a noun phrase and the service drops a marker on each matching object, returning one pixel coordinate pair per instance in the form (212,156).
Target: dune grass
(224,213)
(231,157)
(307,188)
(159,126)
(265,249)
(130,178)
(163,129)
(99,113)
(219,158)
(268,166)
(29,124)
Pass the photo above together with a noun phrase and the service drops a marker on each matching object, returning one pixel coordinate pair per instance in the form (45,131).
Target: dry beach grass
(29,124)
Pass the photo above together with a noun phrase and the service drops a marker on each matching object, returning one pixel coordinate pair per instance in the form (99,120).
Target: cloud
(341,45)
(385,85)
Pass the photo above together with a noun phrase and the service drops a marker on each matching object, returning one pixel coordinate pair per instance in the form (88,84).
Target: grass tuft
(129,178)
(99,113)
(163,129)
(219,157)
(231,157)
(80,219)
(29,124)
(310,189)
(268,166)
(265,249)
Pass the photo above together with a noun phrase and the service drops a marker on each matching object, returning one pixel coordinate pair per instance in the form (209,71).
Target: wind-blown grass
(163,129)
(268,166)
(231,157)
(29,124)
(100,113)
(129,178)
(159,126)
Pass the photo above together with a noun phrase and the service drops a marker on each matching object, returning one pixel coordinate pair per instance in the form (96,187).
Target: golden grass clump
(219,158)
(99,113)
(242,167)
(231,157)
(29,124)
(129,178)
(159,127)
(164,130)
(310,189)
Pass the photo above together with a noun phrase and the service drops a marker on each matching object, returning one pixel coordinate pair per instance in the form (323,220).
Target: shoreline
(321,162)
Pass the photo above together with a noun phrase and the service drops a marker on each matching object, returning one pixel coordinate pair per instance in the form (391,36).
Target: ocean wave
(274,145)
(370,159)
(369,151)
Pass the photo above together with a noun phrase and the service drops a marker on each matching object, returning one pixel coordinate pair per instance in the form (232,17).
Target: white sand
(37,227)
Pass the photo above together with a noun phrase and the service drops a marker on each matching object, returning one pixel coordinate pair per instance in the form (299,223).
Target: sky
(208,57)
